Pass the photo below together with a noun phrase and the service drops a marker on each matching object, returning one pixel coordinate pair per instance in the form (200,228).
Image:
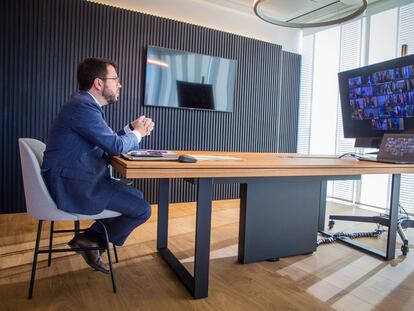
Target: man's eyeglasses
(117,79)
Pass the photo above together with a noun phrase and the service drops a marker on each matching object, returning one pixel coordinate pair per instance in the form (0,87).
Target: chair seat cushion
(106,213)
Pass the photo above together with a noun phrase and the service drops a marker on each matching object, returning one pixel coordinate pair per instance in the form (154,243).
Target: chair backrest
(39,203)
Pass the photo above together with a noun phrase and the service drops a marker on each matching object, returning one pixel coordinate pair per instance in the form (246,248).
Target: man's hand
(143,125)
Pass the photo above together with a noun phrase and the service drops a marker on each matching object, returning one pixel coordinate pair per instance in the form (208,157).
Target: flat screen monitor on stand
(378,99)
(375,100)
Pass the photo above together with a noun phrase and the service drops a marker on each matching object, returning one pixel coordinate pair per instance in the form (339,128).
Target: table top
(255,165)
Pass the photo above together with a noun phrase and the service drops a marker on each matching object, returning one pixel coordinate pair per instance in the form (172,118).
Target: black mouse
(186,158)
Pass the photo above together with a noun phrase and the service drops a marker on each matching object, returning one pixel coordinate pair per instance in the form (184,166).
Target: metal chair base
(50,250)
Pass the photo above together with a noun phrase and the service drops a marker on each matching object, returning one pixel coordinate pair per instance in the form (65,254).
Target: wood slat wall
(44,40)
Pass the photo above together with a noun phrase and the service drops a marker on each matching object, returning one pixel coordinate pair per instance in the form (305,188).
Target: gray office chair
(40,204)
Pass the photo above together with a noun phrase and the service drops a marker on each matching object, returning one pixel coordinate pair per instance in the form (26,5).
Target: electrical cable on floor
(352,235)
(325,240)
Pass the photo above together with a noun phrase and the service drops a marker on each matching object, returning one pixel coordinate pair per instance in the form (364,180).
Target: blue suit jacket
(75,161)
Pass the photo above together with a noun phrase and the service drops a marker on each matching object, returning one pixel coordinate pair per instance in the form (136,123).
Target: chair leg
(108,251)
(36,251)
(49,260)
(115,253)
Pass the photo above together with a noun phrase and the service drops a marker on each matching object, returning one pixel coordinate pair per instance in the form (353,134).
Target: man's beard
(110,97)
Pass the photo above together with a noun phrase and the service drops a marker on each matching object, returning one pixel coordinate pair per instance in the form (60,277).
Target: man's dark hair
(90,69)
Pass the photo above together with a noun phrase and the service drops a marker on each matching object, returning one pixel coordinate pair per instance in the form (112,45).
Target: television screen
(188,80)
(378,98)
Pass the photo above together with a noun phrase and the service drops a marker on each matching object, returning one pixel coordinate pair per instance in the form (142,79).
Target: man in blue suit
(75,165)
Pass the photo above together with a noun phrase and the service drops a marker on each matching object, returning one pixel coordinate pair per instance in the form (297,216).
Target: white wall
(207,14)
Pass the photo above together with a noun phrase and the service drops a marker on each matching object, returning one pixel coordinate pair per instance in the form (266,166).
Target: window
(364,41)
(325,91)
(350,58)
(406,36)
(306,83)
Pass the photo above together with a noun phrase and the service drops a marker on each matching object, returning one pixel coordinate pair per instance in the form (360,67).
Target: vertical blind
(306,85)
(349,58)
(406,36)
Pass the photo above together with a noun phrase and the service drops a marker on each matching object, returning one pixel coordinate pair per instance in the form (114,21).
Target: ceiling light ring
(354,14)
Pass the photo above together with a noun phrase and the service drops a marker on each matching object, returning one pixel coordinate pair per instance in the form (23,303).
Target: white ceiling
(286,10)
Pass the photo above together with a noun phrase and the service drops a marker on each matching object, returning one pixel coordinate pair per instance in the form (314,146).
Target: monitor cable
(357,155)
(351,235)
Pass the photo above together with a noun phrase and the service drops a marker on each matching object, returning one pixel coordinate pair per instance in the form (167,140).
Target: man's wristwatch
(131,127)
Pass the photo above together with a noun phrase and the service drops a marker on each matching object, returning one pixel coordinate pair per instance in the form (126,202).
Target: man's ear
(98,84)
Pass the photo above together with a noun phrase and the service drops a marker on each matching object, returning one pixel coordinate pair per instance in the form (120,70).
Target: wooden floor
(335,277)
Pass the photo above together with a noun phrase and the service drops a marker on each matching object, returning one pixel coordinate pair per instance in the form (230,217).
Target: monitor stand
(404,222)
(368,142)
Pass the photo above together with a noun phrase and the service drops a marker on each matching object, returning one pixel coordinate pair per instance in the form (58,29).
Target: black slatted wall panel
(289,102)
(44,40)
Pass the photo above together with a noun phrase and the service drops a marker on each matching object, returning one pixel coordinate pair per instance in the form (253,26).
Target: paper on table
(214,158)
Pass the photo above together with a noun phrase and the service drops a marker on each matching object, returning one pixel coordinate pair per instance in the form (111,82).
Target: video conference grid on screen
(385,97)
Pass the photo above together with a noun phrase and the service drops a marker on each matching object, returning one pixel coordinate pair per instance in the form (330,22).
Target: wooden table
(282,203)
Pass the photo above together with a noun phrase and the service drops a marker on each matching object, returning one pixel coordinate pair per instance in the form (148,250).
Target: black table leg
(202,246)
(197,285)
(394,211)
(389,254)
(322,206)
(162,226)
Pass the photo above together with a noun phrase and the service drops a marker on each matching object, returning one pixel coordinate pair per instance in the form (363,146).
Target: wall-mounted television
(182,79)
(378,99)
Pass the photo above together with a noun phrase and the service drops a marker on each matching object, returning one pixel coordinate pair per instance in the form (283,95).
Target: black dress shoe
(92,257)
